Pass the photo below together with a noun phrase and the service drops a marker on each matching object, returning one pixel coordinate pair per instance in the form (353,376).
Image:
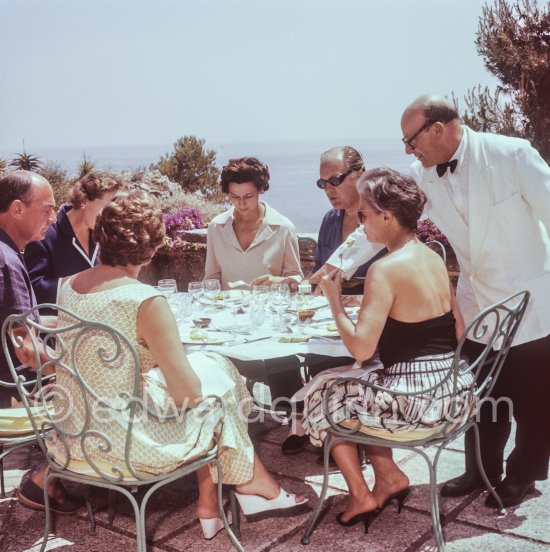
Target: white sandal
(212,526)
(254,504)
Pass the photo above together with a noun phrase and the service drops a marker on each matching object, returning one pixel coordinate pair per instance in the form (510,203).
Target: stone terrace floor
(171,524)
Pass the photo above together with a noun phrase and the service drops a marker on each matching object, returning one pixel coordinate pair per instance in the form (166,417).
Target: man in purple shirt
(27,208)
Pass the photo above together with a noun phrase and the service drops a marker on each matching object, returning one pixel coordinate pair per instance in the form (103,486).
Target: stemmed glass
(211,289)
(195,289)
(234,301)
(260,293)
(280,300)
(167,287)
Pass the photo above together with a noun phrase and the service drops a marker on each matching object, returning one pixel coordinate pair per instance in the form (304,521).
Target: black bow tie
(442,167)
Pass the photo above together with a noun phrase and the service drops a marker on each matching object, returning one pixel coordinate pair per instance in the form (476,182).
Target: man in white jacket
(490,195)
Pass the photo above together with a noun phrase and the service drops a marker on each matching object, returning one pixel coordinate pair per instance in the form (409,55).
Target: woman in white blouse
(251,241)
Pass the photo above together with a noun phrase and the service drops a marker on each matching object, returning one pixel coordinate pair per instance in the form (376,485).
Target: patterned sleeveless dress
(157,446)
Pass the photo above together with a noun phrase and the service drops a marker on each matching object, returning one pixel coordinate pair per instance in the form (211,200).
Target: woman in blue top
(68,247)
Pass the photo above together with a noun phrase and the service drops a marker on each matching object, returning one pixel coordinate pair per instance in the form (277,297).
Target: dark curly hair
(129,229)
(245,169)
(93,185)
(387,190)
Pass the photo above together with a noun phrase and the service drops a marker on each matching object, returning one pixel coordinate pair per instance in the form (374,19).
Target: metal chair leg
(434,503)
(89,509)
(481,469)
(235,513)
(2,484)
(111,508)
(309,529)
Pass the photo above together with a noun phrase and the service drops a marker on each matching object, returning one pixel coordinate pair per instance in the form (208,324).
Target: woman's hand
(268,280)
(331,285)
(352,300)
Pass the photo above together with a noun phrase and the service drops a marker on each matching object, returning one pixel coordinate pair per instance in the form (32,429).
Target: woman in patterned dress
(408,314)
(128,231)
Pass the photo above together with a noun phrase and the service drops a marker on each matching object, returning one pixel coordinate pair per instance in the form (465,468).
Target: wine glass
(167,287)
(195,289)
(280,300)
(211,289)
(234,300)
(260,293)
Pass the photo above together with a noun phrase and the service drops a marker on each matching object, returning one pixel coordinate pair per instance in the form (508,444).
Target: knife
(245,341)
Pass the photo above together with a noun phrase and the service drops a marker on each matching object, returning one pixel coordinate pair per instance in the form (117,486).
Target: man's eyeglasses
(425,126)
(333,180)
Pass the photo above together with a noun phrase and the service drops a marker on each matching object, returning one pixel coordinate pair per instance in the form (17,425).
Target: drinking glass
(234,301)
(280,300)
(260,293)
(195,289)
(167,287)
(211,289)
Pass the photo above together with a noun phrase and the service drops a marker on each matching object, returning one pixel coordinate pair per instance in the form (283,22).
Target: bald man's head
(433,108)
(431,130)
(19,185)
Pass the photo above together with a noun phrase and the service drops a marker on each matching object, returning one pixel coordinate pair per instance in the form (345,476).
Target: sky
(128,72)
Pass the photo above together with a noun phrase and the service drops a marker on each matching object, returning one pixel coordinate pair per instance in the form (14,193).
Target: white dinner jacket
(505,248)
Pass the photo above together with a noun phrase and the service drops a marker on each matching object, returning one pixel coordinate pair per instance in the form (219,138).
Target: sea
(293,166)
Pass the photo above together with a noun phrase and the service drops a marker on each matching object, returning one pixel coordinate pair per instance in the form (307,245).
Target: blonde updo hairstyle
(387,190)
(93,186)
(129,229)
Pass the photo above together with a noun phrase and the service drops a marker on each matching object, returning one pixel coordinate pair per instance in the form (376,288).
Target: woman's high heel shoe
(366,517)
(400,497)
(254,504)
(212,526)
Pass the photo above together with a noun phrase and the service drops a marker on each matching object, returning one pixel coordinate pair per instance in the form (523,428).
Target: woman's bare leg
(207,505)
(262,484)
(361,499)
(389,479)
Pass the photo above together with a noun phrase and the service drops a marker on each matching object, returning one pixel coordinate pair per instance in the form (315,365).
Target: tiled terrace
(172,526)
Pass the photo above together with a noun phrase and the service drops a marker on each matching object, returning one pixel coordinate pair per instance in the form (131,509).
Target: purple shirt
(16,293)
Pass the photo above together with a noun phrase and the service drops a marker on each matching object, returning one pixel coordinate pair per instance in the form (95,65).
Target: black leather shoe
(32,496)
(294,444)
(465,484)
(512,491)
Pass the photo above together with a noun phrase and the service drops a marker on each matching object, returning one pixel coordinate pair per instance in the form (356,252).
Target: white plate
(314,303)
(321,330)
(211,337)
(228,295)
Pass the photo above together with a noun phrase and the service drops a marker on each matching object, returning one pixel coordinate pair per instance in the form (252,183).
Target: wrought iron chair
(15,432)
(496,326)
(82,406)
(438,247)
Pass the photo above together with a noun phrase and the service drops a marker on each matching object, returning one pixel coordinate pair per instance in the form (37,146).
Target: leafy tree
(514,40)
(193,167)
(57,177)
(26,161)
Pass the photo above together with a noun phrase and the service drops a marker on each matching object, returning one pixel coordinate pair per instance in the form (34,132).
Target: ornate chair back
(98,401)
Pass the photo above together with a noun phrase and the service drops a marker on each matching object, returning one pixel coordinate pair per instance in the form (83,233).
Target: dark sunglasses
(333,180)
(425,126)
